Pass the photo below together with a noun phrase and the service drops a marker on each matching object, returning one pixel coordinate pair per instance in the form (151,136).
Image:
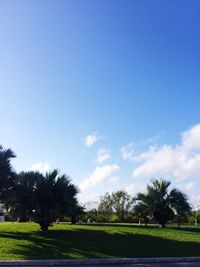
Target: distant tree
(7,173)
(122,203)
(105,208)
(161,203)
(91,215)
(194,217)
(141,211)
(90,205)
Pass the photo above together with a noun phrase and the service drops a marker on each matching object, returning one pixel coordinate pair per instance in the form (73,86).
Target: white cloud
(191,138)
(98,176)
(128,152)
(42,167)
(135,188)
(179,161)
(191,190)
(114,179)
(102,155)
(91,139)
(188,187)
(90,201)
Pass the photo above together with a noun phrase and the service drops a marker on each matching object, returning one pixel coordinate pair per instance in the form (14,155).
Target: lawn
(22,241)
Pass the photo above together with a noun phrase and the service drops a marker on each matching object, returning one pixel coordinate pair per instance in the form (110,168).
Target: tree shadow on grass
(84,243)
(187,229)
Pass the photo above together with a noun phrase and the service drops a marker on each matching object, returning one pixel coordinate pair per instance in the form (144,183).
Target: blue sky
(106,91)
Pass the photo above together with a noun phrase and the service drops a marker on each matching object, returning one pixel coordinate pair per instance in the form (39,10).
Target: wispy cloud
(103,154)
(91,139)
(128,152)
(42,167)
(98,176)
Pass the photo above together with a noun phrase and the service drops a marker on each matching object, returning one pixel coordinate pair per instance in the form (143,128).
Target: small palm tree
(54,196)
(44,198)
(162,204)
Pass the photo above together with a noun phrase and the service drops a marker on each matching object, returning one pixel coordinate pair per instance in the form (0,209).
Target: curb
(98,261)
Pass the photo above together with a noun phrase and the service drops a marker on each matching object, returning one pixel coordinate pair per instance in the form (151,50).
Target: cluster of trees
(44,198)
(34,196)
(158,204)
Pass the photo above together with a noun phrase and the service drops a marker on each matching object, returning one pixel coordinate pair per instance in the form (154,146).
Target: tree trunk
(73,220)
(44,226)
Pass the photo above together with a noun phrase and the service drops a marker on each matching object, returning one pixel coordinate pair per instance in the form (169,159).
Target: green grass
(22,241)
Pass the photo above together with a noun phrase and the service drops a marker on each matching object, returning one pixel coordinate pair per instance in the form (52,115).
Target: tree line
(45,197)
(157,205)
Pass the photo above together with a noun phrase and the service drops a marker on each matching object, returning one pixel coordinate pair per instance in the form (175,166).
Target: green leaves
(161,203)
(6,173)
(44,198)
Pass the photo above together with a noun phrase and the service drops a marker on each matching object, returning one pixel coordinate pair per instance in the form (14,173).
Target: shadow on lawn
(187,229)
(84,243)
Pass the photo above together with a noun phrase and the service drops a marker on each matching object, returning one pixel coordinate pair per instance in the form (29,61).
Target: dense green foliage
(22,202)
(6,173)
(105,208)
(44,198)
(122,204)
(23,241)
(141,211)
(119,202)
(34,196)
(157,205)
(54,197)
(163,204)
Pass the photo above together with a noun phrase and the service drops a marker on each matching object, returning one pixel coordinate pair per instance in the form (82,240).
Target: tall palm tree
(161,203)
(6,172)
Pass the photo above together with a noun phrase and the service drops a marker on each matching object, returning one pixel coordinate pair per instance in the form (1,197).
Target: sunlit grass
(23,241)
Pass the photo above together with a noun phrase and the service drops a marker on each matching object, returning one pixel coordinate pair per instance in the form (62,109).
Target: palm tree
(6,173)
(54,196)
(44,198)
(162,204)
(179,204)
(21,202)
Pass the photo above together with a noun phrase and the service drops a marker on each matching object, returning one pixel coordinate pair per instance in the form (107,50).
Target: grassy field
(23,241)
